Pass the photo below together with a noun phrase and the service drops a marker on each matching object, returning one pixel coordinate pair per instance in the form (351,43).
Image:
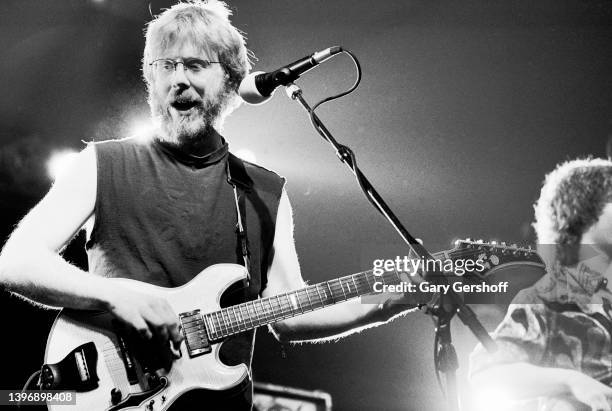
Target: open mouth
(184,105)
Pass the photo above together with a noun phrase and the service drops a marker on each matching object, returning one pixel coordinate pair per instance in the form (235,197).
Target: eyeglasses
(195,66)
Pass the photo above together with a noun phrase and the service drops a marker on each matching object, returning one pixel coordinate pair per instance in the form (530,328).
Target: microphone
(258,87)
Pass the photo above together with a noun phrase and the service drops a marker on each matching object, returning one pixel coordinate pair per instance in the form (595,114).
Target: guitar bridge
(194,331)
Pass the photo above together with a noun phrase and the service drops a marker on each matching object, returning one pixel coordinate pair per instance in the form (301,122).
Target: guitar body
(73,329)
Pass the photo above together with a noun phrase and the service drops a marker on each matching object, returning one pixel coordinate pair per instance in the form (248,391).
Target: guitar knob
(150,405)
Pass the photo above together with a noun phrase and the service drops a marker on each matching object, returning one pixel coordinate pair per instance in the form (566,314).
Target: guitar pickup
(194,331)
(77,371)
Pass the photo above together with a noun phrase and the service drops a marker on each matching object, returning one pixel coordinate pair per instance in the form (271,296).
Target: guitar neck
(256,313)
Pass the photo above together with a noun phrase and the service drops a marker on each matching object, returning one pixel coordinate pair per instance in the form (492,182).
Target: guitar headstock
(494,255)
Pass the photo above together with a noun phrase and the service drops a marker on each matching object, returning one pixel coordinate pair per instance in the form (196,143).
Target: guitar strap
(238,177)
(240,182)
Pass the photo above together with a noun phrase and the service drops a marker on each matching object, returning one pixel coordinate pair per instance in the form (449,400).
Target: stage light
(59,161)
(246,155)
(492,399)
(142,130)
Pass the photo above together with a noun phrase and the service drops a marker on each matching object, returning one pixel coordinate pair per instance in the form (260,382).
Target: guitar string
(263,316)
(228,325)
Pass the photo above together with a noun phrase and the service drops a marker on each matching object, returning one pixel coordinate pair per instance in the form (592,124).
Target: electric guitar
(86,351)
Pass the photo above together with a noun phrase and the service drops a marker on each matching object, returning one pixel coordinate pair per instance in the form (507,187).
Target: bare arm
(330,322)
(522,381)
(30,264)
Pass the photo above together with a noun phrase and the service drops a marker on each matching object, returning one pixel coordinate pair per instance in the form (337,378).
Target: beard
(187,127)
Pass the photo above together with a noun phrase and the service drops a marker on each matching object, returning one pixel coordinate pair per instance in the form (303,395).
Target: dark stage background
(463,108)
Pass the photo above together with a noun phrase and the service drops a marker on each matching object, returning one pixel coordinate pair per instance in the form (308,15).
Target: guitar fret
(237,317)
(210,326)
(313,305)
(232,319)
(291,306)
(258,312)
(319,292)
(263,309)
(296,297)
(260,316)
(290,309)
(222,322)
(229,320)
(355,284)
(271,307)
(348,286)
(367,277)
(254,310)
(225,321)
(244,323)
(219,323)
(280,306)
(342,288)
(330,292)
(247,313)
(308,296)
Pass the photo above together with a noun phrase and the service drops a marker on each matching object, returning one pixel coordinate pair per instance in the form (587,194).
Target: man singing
(162,211)
(555,341)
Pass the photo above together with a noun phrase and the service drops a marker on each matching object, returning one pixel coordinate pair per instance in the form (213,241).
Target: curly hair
(572,199)
(207,25)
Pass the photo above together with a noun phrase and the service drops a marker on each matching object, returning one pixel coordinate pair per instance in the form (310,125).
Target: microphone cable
(345,151)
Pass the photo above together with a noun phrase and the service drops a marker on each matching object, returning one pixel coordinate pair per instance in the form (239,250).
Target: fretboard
(264,311)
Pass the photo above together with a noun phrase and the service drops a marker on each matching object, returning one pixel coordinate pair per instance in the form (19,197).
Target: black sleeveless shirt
(162,217)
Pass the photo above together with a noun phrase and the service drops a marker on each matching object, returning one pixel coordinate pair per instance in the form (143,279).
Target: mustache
(184,100)
(178,98)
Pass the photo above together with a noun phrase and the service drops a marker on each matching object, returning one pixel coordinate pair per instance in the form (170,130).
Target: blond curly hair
(207,25)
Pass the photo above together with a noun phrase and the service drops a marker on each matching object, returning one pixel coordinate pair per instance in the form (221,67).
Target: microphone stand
(443,307)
